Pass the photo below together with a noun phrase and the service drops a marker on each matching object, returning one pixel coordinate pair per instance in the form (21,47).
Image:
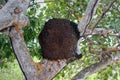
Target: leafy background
(67,9)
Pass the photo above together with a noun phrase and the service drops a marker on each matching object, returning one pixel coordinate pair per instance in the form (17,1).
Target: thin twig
(117,7)
(102,15)
(90,11)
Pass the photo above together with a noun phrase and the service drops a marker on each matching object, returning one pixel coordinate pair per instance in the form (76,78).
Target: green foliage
(67,9)
(112,17)
(10,71)
(33,30)
(5,49)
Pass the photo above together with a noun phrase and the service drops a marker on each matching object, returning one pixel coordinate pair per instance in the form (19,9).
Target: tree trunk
(44,70)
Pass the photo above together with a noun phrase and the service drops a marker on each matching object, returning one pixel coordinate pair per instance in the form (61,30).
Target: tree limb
(84,23)
(102,15)
(97,66)
(12,13)
(44,70)
(90,11)
(24,59)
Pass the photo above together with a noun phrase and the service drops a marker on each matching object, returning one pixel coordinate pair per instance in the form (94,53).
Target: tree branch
(90,11)
(84,23)
(97,66)
(102,15)
(44,70)
(12,13)
(24,59)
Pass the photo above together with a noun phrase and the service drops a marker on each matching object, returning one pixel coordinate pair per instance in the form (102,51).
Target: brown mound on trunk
(58,39)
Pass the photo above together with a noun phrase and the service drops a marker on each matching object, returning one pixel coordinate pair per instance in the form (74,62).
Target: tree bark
(97,66)
(25,61)
(89,13)
(12,13)
(44,70)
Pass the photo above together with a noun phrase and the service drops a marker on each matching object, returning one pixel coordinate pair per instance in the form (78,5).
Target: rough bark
(25,61)
(89,13)
(12,13)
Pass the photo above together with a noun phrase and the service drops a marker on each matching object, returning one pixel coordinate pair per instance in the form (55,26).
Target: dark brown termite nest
(58,39)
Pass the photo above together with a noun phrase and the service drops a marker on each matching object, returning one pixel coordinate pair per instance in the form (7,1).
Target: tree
(13,19)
